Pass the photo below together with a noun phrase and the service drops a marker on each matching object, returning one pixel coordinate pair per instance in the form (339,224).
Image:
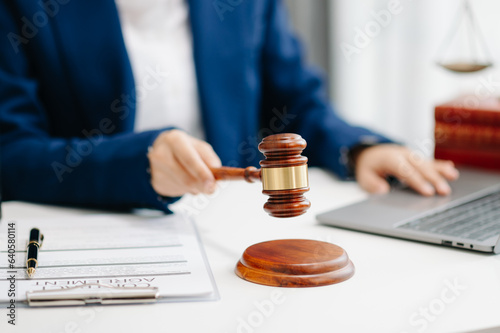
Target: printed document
(113,250)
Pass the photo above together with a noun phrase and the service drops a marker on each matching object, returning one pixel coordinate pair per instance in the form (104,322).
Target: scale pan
(464,67)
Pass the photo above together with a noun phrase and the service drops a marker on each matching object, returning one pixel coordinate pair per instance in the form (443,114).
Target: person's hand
(180,164)
(427,177)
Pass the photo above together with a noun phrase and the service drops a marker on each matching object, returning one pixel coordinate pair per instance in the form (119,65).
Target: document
(103,251)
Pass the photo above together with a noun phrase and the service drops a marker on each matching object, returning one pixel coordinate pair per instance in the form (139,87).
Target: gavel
(287,262)
(283,174)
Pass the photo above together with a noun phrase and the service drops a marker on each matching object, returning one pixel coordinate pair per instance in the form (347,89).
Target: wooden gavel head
(284,175)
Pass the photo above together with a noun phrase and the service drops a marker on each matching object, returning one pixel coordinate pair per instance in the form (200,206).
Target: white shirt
(158,38)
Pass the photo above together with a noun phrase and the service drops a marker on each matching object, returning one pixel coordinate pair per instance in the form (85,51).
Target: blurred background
(392,83)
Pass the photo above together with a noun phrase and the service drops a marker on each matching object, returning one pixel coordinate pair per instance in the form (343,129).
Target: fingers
(431,174)
(412,176)
(189,158)
(425,176)
(180,164)
(168,177)
(437,172)
(371,181)
(166,183)
(446,169)
(207,154)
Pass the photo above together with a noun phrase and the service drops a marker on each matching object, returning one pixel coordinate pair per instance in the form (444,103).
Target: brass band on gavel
(287,178)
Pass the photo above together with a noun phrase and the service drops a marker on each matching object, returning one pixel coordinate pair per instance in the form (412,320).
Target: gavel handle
(250,174)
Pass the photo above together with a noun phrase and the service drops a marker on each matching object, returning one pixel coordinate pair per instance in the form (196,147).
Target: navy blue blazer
(67,98)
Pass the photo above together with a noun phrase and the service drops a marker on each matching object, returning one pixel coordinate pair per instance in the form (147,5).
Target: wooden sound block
(294,263)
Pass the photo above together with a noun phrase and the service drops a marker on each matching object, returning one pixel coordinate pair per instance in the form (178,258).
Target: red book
(470,109)
(466,136)
(489,159)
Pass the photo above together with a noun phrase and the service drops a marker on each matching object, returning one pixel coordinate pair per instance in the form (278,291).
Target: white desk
(394,278)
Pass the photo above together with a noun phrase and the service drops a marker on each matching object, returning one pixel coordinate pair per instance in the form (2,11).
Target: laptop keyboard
(478,219)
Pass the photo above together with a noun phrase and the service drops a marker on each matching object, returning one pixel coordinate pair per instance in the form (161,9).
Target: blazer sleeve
(295,100)
(103,171)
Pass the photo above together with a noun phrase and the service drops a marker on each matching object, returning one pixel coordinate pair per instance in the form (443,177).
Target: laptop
(469,218)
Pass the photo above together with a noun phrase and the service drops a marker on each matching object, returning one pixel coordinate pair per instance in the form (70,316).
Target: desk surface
(399,286)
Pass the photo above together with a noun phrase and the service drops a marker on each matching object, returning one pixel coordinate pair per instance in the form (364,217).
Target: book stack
(467,131)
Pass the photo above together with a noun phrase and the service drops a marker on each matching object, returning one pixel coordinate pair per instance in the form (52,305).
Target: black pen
(36,239)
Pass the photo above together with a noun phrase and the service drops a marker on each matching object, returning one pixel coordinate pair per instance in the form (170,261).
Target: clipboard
(150,259)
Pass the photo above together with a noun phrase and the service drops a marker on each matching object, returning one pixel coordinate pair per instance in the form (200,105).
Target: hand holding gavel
(180,164)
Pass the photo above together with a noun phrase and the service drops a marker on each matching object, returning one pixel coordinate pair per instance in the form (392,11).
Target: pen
(36,239)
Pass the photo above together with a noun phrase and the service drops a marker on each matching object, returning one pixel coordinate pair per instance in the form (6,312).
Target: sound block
(294,263)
